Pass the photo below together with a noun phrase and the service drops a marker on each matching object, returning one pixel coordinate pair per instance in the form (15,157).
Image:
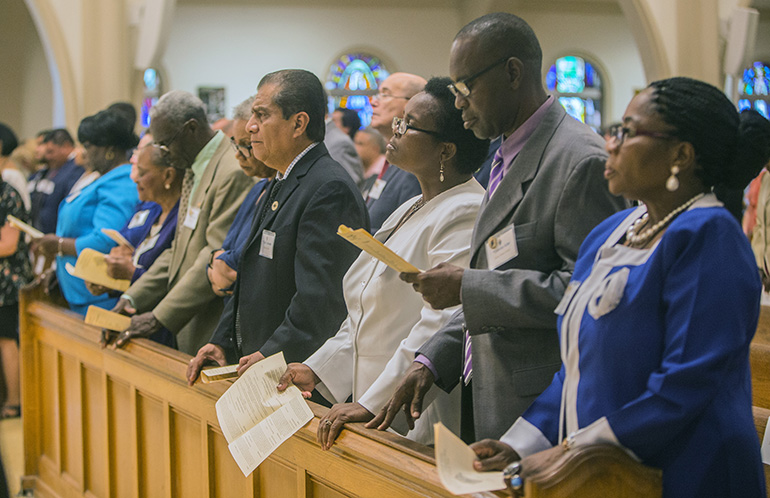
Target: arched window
(150,95)
(753,88)
(353,79)
(577,85)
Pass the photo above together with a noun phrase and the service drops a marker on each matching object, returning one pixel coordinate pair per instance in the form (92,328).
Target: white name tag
(191,220)
(501,248)
(268,242)
(377,188)
(139,219)
(45,186)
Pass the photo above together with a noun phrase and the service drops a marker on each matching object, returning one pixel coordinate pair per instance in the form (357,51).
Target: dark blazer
(136,234)
(293,301)
(400,186)
(553,195)
(47,190)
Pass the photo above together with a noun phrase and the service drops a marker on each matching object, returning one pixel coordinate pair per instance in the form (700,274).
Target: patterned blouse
(15,270)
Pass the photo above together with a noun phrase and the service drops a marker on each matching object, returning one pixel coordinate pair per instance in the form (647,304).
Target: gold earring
(672,184)
(109,155)
(168,187)
(441,172)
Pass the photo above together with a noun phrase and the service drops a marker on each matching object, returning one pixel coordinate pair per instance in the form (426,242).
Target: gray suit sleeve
(444,350)
(527,298)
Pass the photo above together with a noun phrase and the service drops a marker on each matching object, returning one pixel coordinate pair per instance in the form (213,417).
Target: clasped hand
(439,286)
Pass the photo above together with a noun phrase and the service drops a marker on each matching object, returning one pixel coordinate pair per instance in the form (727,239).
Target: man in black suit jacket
(288,295)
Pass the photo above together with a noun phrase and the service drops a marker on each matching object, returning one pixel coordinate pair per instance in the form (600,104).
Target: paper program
(364,241)
(454,463)
(255,418)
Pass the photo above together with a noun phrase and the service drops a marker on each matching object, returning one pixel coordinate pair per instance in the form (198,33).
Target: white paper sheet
(454,462)
(255,418)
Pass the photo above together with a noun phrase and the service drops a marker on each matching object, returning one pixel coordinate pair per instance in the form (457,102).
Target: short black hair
(42,133)
(300,91)
(504,34)
(125,109)
(107,129)
(730,148)
(350,119)
(59,136)
(8,137)
(471,151)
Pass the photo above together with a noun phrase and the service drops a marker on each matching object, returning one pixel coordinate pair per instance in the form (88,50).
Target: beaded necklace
(641,239)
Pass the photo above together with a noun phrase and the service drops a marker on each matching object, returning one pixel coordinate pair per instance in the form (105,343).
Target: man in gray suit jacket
(546,192)
(343,150)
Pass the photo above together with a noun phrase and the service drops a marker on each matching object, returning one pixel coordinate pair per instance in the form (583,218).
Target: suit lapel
(287,189)
(497,209)
(207,178)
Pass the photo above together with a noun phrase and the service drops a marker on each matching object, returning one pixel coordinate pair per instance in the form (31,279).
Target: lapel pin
(493,242)
(274,206)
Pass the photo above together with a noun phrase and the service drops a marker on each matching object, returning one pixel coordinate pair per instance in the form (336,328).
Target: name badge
(377,188)
(191,220)
(501,248)
(139,219)
(45,186)
(268,242)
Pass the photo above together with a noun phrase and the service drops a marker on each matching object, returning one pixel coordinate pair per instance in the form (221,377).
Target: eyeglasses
(244,150)
(383,96)
(164,147)
(620,133)
(461,88)
(400,127)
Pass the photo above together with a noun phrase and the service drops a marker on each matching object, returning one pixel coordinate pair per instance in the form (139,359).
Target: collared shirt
(284,176)
(203,158)
(513,144)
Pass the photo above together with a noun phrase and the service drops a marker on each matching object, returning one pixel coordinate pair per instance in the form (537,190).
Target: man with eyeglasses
(393,186)
(223,264)
(546,192)
(174,292)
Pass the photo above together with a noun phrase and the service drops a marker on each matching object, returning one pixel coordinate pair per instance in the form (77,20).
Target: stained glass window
(753,88)
(353,80)
(151,94)
(577,85)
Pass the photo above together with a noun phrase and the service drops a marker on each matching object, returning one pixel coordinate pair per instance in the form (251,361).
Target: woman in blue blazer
(108,202)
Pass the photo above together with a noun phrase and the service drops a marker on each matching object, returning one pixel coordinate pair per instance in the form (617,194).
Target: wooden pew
(123,423)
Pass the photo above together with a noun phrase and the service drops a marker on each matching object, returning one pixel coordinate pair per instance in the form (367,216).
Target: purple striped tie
(497,171)
(467,359)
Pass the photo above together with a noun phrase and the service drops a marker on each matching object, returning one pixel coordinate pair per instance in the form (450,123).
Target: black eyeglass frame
(400,127)
(461,88)
(239,148)
(620,134)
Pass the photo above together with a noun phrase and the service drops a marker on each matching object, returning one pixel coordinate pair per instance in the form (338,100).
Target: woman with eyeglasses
(107,202)
(657,321)
(386,321)
(152,227)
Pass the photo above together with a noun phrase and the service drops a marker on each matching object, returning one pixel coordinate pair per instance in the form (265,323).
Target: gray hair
(178,106)
(243,110)
(377,136)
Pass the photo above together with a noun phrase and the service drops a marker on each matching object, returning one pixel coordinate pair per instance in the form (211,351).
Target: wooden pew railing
(123,423)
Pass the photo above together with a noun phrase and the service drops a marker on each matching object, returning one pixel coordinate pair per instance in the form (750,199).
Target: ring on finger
(328,423)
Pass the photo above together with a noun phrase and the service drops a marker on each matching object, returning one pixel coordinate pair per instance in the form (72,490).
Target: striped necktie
(187,185)
(496,172)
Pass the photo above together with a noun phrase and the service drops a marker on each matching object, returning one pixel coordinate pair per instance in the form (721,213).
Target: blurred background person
(342,150)
(347,120)
(223,267)
(8,168)
(678,268)
(107,202)
(15,271)
(370,145)
(50,185)
(386,322)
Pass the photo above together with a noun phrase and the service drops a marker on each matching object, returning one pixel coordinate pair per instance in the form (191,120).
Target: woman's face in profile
(641,155)
(150,179)
(414,146)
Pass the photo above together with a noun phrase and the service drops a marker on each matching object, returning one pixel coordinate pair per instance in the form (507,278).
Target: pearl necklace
(646,235)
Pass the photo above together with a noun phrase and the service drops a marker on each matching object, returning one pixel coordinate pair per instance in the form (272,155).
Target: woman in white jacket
(386,322)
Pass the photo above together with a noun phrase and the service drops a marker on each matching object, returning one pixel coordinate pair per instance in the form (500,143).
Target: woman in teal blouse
(108,202)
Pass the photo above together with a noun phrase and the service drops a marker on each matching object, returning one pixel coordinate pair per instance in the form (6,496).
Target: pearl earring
(672,184)
(441,172)
(168,187)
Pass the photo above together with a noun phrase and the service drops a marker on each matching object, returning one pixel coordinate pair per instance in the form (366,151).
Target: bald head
(395,91)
